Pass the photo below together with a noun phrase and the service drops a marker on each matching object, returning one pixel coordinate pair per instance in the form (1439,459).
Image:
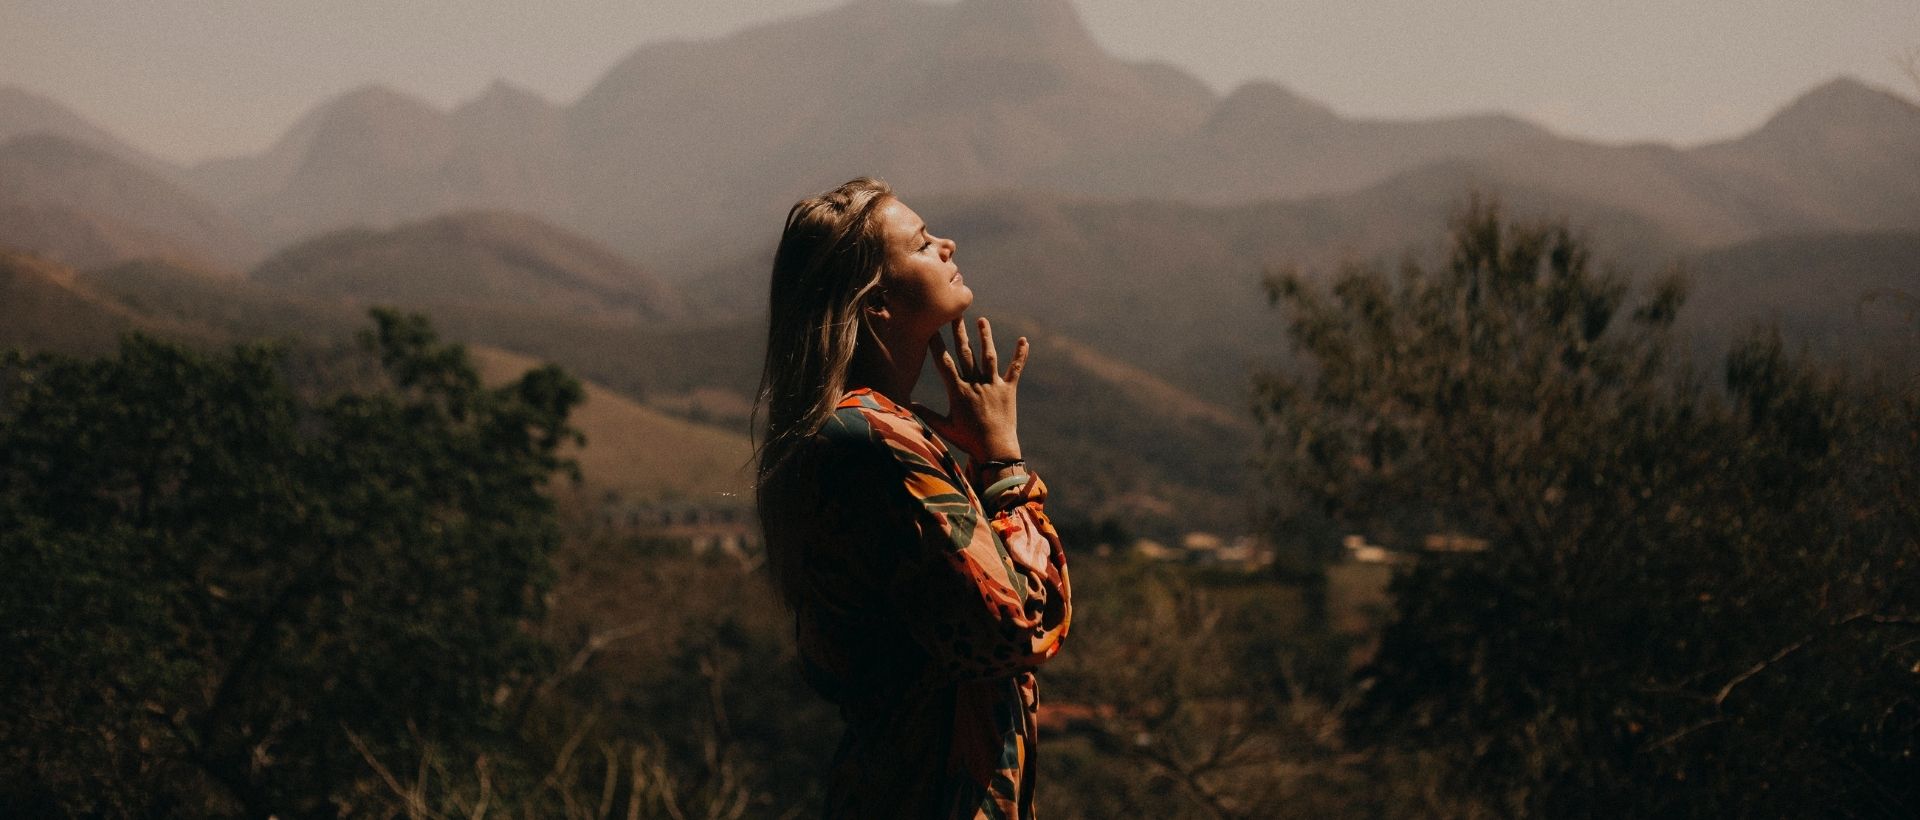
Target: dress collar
(875,400)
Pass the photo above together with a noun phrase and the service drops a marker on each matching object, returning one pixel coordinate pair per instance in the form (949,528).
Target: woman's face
(921,283)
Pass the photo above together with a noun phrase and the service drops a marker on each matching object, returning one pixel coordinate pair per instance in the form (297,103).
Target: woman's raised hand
(981,418)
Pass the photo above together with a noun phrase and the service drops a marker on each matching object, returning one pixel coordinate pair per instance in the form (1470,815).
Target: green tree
(217,586)
(1692,600)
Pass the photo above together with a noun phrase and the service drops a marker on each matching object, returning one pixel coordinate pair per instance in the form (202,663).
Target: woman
(923,594)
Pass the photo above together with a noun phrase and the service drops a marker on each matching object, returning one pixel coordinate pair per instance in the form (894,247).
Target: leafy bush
(217,588)
(1694,600)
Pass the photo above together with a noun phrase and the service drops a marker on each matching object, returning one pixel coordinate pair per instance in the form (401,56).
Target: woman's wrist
(1002,449)
(996,465)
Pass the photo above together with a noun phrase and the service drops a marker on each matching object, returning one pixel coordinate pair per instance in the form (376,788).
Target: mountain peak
(502,93)
(1842,102)
(375,100)
(1046,24)
(1045,12)
(25,112)
(1262,106)
(1844,86)
(505,102)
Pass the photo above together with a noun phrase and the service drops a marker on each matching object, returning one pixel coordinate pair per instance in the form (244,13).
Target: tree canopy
(1680,596)
(221,583)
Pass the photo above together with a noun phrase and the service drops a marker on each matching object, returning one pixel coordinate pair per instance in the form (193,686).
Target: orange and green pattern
(924,618)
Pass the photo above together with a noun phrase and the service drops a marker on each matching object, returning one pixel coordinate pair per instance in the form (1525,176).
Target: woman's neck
(890,367)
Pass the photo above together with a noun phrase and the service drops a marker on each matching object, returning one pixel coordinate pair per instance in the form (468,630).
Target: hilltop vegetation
(1668,577)
(206,564)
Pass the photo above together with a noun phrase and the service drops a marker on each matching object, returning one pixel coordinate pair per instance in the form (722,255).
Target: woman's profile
(924,594)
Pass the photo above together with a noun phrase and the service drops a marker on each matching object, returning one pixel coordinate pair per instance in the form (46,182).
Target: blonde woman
(924,594)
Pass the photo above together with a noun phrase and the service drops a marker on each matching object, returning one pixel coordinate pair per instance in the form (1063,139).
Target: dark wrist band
(1001,464)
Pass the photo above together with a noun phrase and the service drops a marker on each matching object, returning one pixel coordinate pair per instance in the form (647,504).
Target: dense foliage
(1693,598)
(221,595)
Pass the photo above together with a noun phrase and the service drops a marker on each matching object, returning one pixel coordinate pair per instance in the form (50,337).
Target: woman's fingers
(989,359)
(1019,360)
(943,363)
(963,350)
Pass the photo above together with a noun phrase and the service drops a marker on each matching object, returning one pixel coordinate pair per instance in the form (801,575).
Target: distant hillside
(1263,141)
(639,453)
(1844,155)
(24,113)
(374,157)
(684,151)
(171,291)
(84,205)
(1848,152)
(644,360)
(82,240)
(1850,296)
(473,259)
(45,308)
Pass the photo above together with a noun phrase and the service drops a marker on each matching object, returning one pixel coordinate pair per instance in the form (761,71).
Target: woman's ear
(875,305)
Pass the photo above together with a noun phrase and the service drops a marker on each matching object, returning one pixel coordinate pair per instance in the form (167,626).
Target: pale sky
(193,79)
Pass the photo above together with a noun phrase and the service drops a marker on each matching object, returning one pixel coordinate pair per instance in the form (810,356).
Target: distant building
(728,528)
(1358,548)
(1452,542)
(1209,550)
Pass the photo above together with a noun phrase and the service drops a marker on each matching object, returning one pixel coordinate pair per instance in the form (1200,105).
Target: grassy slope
(633,450)
(637,451)
(47,307)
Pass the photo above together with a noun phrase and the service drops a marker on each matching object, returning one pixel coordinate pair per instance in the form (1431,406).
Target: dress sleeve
(985,594)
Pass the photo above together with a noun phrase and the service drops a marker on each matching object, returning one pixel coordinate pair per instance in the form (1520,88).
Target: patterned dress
(921,614)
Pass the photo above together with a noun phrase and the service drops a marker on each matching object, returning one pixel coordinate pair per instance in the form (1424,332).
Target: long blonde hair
(832,253)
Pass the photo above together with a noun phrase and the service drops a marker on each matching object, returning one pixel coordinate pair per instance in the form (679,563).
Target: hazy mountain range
(1123,211)
(685,148)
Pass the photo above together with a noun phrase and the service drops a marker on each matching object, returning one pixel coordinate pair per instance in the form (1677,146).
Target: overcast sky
(191,79)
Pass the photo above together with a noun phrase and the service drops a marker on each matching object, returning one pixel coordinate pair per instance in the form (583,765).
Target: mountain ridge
(682,147)
(473,257)
(77,193)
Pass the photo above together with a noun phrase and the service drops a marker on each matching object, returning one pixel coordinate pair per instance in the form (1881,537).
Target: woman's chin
(958,309)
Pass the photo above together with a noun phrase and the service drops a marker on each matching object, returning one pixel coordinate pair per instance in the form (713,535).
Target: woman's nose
(951,247)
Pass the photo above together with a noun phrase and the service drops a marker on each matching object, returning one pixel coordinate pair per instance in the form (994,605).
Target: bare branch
(611,780)
(485,768)
(408,797)
(594,645)
(1720,697)
(1676,736)
(635,788)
